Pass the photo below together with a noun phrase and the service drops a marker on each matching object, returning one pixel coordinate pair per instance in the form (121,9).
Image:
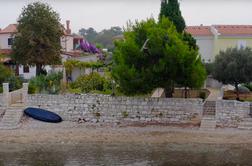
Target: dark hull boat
(43,115)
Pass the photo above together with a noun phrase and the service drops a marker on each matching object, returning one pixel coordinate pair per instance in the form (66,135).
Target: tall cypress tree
(171,10)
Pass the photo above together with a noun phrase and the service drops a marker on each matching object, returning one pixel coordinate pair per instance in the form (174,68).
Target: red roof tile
(12,28)
(234,29)
(199,30)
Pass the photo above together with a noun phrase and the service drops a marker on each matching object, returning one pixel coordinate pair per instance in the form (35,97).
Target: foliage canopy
(233,66)
(170,9)
(104,38)
(154,55)
(38,39)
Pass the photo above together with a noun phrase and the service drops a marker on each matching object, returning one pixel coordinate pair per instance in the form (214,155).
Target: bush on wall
(92,82)
(46,84)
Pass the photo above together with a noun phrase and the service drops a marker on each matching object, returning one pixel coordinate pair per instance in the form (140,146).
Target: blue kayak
(42,115)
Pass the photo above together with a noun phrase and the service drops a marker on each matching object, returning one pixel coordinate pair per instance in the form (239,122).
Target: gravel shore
(36,132)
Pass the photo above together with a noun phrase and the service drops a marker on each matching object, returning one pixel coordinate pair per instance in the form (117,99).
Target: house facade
(213,39)
(68,44)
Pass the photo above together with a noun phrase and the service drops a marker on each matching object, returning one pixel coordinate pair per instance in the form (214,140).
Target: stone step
(208,123)
(244,128)
(11,118)
(209,108)
(245,124)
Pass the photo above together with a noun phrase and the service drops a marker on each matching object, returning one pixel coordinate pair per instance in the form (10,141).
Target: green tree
(171,10)
(192,73)
(38,39)
(103,38)
(154,55)
(233,66)
(89,34)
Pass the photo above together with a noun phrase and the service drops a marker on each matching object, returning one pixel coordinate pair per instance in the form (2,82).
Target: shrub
(31,89)
(125,114)
(75,91)
(14,82)
(88,83)
(248,85)
(4,73)
(46,84)
(202,95)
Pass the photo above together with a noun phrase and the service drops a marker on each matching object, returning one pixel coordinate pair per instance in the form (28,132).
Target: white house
(68,44)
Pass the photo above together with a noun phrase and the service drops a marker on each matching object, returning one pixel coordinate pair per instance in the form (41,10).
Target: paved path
(214,94)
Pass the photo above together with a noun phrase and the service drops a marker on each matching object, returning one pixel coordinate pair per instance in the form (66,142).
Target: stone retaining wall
(1,100)
(231,113)
(105,108)
(2,110)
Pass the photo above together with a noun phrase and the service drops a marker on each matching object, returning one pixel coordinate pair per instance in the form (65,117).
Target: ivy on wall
(71,64)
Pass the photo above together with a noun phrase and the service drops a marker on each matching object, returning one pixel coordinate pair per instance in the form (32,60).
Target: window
(26,69)
(10,41)
(241,44)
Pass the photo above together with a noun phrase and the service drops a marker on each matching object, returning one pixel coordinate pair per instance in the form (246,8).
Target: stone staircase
(12,117)
(246,124)
(209,108)
(208,121)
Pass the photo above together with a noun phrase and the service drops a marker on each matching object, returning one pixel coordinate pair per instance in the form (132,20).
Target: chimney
(68,30)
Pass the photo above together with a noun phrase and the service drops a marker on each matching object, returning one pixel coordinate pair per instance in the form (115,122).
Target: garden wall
(1,100)
(2,108)
(104,108)
(231,113)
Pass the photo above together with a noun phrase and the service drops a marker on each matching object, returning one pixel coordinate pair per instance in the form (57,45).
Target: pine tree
(154,55)
(171,10)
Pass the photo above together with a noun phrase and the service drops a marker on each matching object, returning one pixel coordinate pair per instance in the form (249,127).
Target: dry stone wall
(1,105)
(1,99)
(231,113)
(103,108)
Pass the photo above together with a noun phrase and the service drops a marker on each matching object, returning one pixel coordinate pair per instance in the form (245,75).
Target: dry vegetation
(231,95)
(192,93)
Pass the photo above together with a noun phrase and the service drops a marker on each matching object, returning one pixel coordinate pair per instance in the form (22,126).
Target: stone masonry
(1,105)
(104,108)
(1,100)
(231,113)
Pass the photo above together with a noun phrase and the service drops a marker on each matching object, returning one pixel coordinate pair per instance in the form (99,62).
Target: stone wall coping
(121,97)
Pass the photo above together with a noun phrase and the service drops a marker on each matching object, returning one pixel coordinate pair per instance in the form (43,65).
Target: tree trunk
(38,69)
(17,70)
(237,92)
(168,90)
(186,94)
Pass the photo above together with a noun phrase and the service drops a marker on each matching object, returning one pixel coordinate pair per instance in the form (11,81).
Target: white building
(215,38)
(68,44)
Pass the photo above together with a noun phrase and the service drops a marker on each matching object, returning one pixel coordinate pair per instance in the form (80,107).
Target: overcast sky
(102,14)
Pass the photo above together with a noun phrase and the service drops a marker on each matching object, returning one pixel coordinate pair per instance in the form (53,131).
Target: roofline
(236,35)
(8,32)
